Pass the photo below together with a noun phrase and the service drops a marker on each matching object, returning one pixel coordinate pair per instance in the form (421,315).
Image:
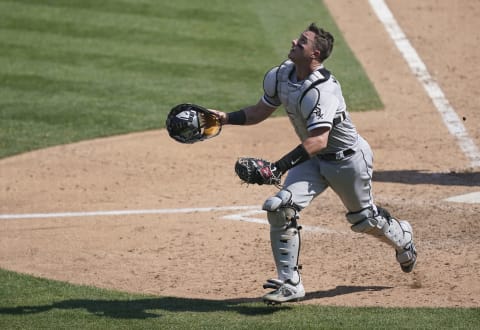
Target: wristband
(293,158)
(237,118)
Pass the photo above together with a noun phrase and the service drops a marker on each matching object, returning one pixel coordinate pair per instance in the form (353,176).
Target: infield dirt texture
(202,254)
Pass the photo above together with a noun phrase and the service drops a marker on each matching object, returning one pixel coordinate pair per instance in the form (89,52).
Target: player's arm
(317,141)
(318,113)
(247,116)
(311,146)
(251,115)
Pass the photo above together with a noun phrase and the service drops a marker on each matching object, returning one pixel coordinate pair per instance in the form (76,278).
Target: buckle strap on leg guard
(273,283)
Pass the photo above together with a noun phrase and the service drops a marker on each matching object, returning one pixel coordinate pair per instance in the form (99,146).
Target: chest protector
(293,94)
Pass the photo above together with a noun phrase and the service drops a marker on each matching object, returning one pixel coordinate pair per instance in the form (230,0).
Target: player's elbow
(317,141)
(314,145)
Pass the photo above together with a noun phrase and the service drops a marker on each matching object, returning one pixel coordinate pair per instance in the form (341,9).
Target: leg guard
(398,234)
(382,225)
(284,235)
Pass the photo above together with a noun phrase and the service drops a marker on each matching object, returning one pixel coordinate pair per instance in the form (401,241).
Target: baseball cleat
(286,292)
(408,256)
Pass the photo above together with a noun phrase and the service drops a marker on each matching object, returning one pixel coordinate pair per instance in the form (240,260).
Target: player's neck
(302,72)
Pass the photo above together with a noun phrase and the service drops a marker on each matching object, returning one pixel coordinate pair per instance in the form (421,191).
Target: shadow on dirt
(469,179)
(154,307)
(342,290)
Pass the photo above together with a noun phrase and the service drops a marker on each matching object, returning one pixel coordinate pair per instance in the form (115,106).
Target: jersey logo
(317,112)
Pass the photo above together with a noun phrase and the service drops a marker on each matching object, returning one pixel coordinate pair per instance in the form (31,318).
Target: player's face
(303,47)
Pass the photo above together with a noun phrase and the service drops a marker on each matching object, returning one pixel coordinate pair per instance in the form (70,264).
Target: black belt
(337,155)
(340,118)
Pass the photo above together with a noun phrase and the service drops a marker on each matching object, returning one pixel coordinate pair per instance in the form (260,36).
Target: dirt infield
(200,253)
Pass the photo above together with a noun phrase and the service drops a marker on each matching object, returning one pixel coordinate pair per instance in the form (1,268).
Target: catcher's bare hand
(257,171)
(222,116)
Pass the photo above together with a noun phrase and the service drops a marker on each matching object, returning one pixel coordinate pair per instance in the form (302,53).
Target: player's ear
(315,54)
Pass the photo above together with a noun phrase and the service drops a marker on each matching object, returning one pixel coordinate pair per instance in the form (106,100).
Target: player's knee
(363,221)
(282,198)
(280,209)
(281,218)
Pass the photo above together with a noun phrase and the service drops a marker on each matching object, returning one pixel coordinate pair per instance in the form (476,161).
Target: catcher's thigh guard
(284,235)
(383,226)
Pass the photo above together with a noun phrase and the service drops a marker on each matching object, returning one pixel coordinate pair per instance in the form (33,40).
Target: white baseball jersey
(312,103)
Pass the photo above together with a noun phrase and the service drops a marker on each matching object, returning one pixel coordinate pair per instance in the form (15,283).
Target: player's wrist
(237,117)
(293,158)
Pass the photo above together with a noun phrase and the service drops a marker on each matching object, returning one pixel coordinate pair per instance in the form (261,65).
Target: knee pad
(282,198)
(280,209)
(381,225)
(363,221)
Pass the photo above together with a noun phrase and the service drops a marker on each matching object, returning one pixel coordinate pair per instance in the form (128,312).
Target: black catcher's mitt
(190,123)
(258,171)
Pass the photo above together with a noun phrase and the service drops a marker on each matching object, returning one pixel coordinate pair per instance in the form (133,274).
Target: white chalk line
(419,69)
(470,198)
(245,216)
(123,212)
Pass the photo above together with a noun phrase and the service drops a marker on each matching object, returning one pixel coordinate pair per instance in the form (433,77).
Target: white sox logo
(317,112)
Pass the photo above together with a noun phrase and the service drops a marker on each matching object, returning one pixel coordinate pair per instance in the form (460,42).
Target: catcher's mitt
(258,171)
(190,123)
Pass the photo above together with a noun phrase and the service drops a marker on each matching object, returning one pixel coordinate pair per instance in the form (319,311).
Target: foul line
(123,212)
(471,198)
(245,216)
(449,116)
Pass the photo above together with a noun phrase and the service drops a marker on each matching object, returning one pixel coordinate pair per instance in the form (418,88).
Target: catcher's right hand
(257,171)
(190,123)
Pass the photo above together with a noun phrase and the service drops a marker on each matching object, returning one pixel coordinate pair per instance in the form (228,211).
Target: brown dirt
(202,255)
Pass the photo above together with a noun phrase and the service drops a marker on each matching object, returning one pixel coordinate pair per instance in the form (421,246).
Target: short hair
(323,41)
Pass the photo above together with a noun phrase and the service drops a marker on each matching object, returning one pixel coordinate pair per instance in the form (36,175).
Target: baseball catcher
(331,154)
(191,123)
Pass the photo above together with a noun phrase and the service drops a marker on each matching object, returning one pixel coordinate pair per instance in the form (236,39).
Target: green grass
(74,70)
(32,303)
